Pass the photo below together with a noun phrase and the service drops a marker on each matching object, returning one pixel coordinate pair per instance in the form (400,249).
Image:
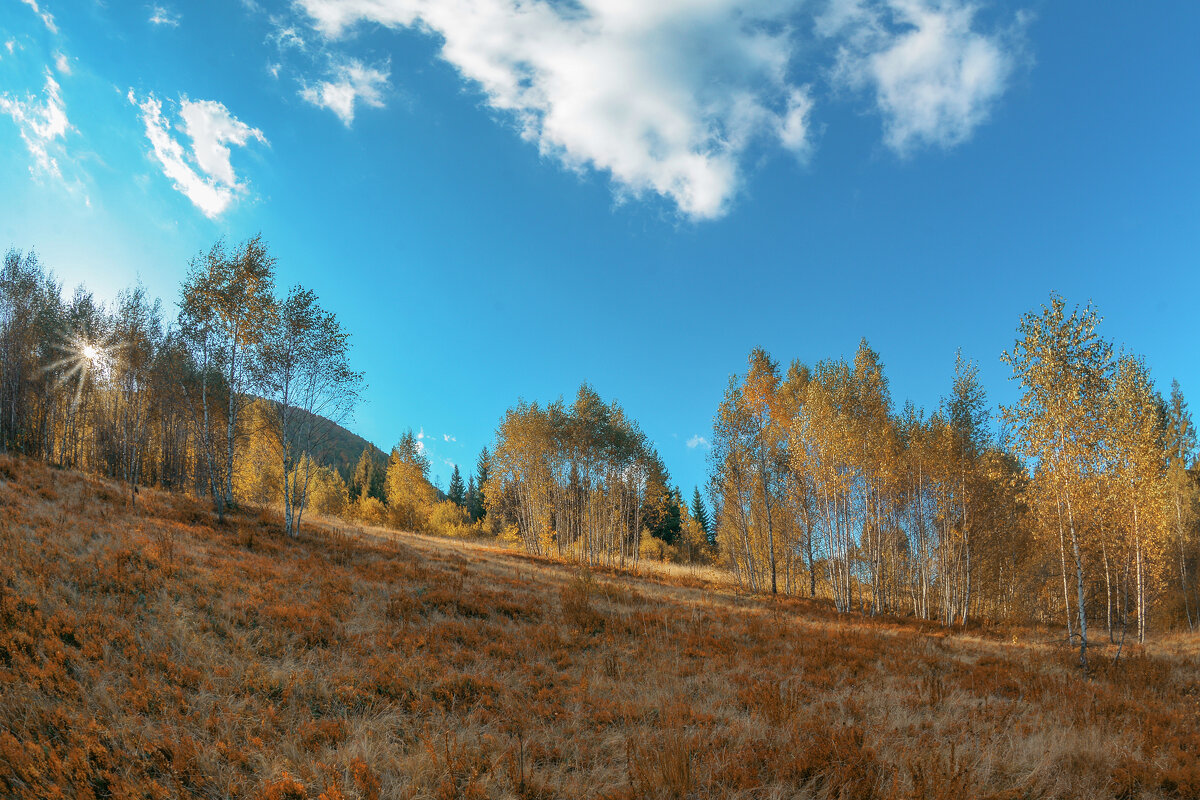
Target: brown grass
(151,652)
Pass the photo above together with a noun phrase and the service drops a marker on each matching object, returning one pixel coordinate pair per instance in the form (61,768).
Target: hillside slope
(341,447)
(149,652)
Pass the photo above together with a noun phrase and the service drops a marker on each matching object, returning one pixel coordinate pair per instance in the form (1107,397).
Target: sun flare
(90,353)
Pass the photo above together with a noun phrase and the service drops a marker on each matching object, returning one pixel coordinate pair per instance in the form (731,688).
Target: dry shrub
(452,601)
(838,758)
(464,692)
(938,776)
(314,627)
(933,686)
(125,572)
(457,770)
(164,537)
(364,779)
(341,546)
(661,768)
(401,607)
(519,772)
(285,788)
(778,700)
(576,598)
(316,734)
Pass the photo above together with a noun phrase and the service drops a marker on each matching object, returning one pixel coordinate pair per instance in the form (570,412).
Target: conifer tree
(456,493)
(483,466)
(364,474)
(660,506)
(471,501)
(700,513)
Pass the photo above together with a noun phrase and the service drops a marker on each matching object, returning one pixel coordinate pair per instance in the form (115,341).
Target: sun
(91,353)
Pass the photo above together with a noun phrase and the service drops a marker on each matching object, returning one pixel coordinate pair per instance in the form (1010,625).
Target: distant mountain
(343,448)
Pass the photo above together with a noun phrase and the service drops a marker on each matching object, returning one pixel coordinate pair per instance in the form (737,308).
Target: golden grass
(151,652)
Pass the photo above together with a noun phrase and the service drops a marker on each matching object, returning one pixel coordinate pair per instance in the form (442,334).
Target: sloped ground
(149,652)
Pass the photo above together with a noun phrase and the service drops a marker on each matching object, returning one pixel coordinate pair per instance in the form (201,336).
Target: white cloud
(286,37)
(204,174)
(11,46)
(62,63)
(935,78)
(352,82)
(47,19)
(446,437)
(41,121)
(665,96)
(698,441)
(159,15)
(671,96)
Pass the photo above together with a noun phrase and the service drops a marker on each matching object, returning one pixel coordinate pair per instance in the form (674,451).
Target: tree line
(128,392)
(1077,505)
(236,397)
(583,480)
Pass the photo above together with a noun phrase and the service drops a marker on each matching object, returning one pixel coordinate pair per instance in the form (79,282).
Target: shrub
(449,519)
(655,548)
(371,510)
(577,603)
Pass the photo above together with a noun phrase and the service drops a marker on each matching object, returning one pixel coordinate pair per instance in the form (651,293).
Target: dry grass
(153,653)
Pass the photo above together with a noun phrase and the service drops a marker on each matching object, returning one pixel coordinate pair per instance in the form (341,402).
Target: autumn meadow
(152,651)
(599,400)
(209,587)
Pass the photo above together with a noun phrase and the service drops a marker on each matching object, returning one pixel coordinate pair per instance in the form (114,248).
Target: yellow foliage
(410,495)
(509,535)
(370,510)
(257,469)
(654,548)
(327,492)
(448,519)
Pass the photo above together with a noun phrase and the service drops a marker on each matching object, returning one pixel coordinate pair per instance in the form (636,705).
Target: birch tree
(1064,368)
(1183,489)
(305,374)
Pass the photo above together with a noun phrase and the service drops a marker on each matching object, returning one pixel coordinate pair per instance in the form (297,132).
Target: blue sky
(504,199)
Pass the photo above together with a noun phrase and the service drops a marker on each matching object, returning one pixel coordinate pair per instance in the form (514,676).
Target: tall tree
(230,298)
(660,510)
(967,417)
(471,501)
(410,495)
(138,336)
(1183,489)
(1137,451)
(572,478)
(477,502)
(199,330)
(304,370)
(456,493)
(364,473)
(699,512)
(483,466)
(1064,368)
(760,392)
